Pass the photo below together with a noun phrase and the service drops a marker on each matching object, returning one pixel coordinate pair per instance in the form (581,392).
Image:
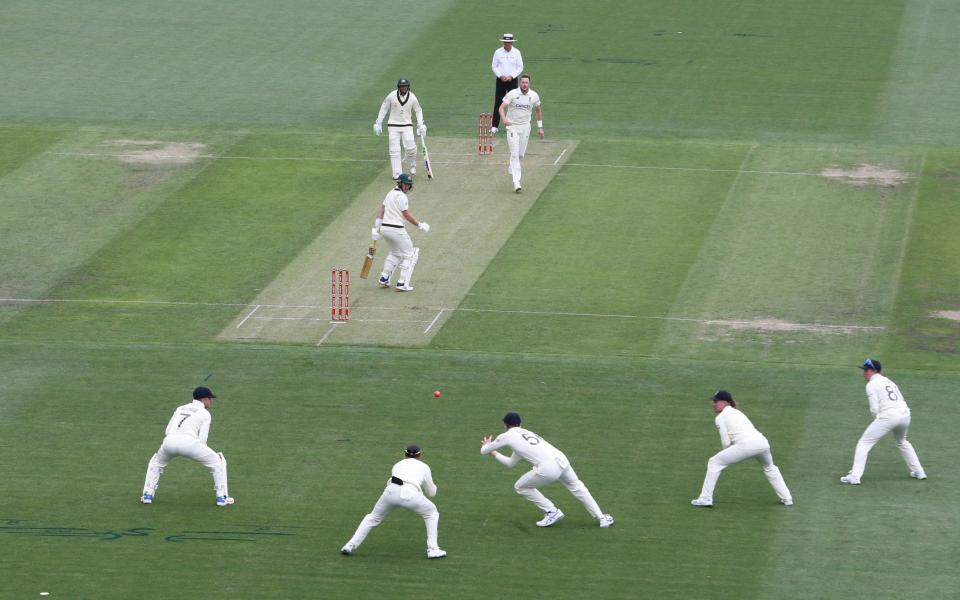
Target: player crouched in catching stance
(409,480)
(186,436)
(549,465)
(740,440)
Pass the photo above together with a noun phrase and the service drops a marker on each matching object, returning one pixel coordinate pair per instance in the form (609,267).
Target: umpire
(507,67)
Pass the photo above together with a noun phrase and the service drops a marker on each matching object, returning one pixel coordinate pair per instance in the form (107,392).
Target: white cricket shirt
(507,63)
(527,445)
(393,206)
(401,109)
(735,427)
(415,472)
(885,398)
(520,105)
(190,419)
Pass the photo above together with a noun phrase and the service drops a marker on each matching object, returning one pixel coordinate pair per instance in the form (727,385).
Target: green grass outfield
(165,168)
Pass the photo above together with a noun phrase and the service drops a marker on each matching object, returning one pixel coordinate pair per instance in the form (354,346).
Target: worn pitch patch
(161,153)
(953,315)
(866,175)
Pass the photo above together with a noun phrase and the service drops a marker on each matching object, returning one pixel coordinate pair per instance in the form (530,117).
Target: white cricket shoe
(384,282)
(146,498)
(918,475)
(413,170)
(436,553)
(787,502)
(224,500)
(494,130)
(707,502)
(402,287)
(517,189)
(850,479)
(606,521)
(550,518)
(347,549)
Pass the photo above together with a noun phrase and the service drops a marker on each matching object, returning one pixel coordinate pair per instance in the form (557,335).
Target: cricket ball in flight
(436,394)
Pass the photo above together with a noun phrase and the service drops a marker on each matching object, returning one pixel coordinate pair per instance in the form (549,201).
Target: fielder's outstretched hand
(487,440)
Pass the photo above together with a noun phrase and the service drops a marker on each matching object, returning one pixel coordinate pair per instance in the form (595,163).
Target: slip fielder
(408,487)
(549,465)
(186,435)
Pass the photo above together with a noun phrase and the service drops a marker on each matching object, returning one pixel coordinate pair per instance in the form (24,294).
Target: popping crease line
(446,162)
(430,308)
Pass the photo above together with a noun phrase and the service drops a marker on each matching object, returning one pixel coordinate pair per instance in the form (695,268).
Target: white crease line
(434,321)
(559,157)
(430,308)
(306,318)
(255,309)
(333,325)
(439,162)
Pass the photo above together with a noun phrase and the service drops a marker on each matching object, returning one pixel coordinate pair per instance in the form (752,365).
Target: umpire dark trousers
(502,88)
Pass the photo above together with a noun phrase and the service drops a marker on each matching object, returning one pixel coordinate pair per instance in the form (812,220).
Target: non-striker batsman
(402,105)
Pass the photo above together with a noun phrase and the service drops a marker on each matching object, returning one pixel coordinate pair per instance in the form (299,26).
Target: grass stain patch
(866,175)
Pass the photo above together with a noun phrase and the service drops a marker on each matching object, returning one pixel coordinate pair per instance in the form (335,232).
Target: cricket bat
(368,260)
(426,157)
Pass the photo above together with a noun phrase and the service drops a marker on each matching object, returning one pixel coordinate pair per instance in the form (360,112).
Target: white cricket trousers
(188,447)
(547,473)
(880,427)
(397,135)
(758,448)
(401,253)
(403,496)
(517,138)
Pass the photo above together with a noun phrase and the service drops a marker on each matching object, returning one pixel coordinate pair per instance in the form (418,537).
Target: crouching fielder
(740,440)
(409,480)
(186,436)
(549,465)
(391,215)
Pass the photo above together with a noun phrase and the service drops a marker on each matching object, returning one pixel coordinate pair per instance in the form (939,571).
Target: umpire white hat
(507,37)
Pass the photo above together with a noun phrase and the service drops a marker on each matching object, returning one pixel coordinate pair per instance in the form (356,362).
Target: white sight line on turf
(333,325)
(430,308)
(434,321)
(255,309)
(449,162)
(559,157)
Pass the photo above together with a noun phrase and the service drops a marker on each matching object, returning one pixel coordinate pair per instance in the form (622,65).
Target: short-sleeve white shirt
(192,420)
(520,105)
(393,206)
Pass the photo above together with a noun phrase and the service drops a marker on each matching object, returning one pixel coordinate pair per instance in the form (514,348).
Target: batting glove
(377,129)
(424,227)
(374,234)
(422,130)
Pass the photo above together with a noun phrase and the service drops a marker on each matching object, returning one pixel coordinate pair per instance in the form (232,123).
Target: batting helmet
(405,178)
(403,83)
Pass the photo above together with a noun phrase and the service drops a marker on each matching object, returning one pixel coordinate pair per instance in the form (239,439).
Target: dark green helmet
(405,178)
(403,83)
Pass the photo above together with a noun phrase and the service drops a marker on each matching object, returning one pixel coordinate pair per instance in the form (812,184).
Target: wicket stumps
(484,137)
(339,294)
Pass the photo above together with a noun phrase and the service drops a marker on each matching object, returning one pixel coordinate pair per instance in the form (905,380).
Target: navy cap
(722,395)
(871,363)
(412,451)
(202,392)
(512,419)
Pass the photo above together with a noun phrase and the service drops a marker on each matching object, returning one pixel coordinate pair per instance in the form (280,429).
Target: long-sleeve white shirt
(735,427)
(526,445)
(885,398)
(507,63)
(190,419)
(401,109)
(415,472)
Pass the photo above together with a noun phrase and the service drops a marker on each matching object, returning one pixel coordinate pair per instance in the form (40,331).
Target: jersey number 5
(531,439)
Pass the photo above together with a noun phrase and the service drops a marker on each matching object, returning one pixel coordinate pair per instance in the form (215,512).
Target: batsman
(401,105)
(389,223)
